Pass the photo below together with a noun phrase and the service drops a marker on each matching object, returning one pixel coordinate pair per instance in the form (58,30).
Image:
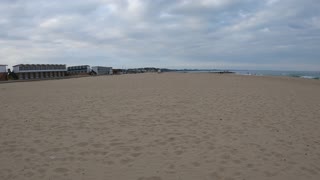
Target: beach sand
(169,126)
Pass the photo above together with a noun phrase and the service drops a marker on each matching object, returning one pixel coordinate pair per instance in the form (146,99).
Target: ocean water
(298,74)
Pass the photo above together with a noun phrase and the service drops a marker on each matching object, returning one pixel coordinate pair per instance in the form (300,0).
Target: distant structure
(150,69)
(45,71)
(39,71)
(101,70)
(135,71)
(78,70)
(3,72)
(143,70)
(118,71)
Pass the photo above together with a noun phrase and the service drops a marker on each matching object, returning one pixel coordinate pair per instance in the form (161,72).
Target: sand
(169,126)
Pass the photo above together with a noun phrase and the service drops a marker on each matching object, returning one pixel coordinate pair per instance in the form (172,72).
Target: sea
(297,74)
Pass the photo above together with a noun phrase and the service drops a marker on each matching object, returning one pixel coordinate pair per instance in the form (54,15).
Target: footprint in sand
(37,141)
(178,152)
(237,161)
(215,175)
(82,144)
(310,171)
(29,174)
(125,161)
(61,170)
(32,150)
(250,165)
(195,164)
(98,145)
(42,171)
(225,157)
(150,178)
(138,148)
(135,154)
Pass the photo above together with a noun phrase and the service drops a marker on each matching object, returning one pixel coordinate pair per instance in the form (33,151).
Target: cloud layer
(244,34)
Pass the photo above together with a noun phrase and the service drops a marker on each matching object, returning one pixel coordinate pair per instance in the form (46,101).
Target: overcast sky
(231,34)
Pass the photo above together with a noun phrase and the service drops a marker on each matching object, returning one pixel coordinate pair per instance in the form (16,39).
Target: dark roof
(36,64)
(78,65)
(102,66)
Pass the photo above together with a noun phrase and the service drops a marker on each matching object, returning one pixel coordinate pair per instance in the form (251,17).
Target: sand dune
(166,126)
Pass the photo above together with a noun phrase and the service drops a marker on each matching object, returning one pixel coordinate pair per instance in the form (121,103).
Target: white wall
(3,69)
(103,71)
(16,69)
(95,69)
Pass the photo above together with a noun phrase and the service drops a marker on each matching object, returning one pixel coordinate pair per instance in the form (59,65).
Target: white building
(3,72)
(83,69)
(3,68)
(39,71)
(101,70)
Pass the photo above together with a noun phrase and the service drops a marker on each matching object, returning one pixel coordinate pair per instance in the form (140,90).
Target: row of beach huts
(47,71)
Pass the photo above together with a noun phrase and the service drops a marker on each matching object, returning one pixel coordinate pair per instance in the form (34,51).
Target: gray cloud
(269,34)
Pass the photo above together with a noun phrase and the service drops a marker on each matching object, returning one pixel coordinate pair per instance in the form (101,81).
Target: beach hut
(39,71)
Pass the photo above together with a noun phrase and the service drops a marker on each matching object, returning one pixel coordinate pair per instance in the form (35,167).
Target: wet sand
(166,126)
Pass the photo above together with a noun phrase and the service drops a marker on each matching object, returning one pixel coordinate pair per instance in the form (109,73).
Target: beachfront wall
(39,71)
(75,70)
(101,70)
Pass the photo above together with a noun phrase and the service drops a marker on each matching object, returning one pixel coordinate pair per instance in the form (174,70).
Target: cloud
(182,33)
